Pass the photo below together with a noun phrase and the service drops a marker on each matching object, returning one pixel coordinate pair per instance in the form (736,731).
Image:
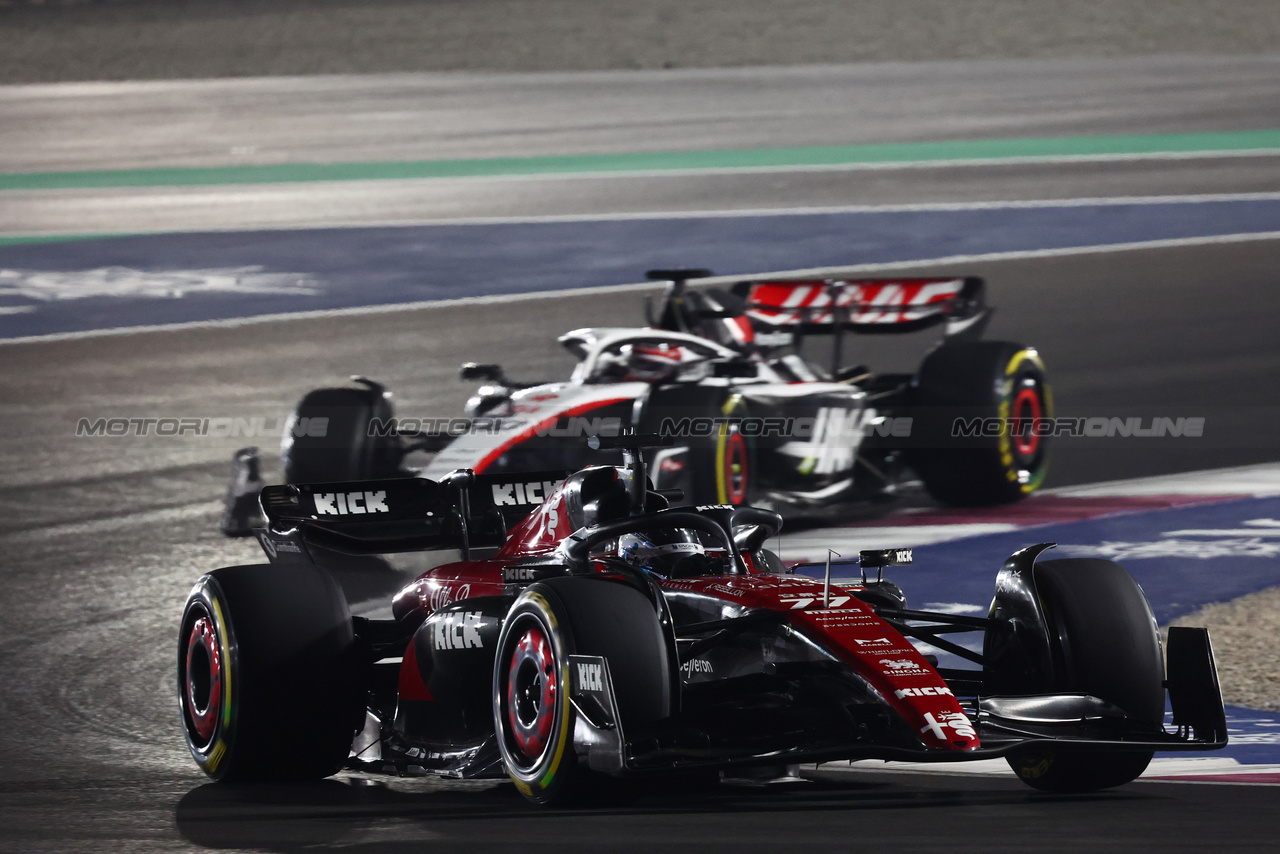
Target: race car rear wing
(866,305)
(462,511)
(783,312)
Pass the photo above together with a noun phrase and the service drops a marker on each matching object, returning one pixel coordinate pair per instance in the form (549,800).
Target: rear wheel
(331,439)
(1106,645)
(997,394)
(268,674)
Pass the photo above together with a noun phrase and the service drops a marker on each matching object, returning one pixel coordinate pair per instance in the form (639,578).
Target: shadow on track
(400,814)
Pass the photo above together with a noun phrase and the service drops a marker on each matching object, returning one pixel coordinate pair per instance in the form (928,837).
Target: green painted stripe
(61,238)
(746,158)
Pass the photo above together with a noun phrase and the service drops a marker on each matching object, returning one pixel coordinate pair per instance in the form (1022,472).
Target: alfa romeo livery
(608,633)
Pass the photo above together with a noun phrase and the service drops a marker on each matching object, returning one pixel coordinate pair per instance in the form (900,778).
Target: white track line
(1259,481)
(1164,769)
(499,299)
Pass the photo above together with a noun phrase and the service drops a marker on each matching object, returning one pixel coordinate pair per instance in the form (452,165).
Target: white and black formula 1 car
(612,635)
(755,420)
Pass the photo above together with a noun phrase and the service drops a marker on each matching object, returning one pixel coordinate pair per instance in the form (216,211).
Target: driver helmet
(670,553)
(650,362)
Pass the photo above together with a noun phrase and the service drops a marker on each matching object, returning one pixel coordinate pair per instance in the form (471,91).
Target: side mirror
(481,371)
(752,527)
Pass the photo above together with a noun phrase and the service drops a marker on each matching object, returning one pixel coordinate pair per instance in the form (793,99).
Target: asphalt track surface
(130,39)
(102,539)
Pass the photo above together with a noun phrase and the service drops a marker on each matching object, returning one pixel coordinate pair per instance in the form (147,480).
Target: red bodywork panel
(846,627)
(541,531)
(849,629)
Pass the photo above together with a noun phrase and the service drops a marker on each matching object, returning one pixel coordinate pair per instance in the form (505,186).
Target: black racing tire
(1060,771)
(724,467)
(1105,644)
(981,380)
(270,677)
(345,450)
(533,718)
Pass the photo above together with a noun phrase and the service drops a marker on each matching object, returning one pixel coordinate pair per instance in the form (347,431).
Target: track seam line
(16,238)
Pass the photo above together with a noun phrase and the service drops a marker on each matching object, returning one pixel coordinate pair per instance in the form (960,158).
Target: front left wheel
(1106,645)
(533,717)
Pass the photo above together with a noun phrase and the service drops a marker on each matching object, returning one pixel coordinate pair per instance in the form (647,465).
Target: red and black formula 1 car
(610,634)
(756,421)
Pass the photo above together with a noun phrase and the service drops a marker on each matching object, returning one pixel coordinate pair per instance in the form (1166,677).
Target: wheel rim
(531,694)
(202,680)
(735,468)
(1027,415)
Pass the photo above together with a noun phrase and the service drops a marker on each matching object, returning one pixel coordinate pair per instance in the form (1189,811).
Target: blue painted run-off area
(371,266)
